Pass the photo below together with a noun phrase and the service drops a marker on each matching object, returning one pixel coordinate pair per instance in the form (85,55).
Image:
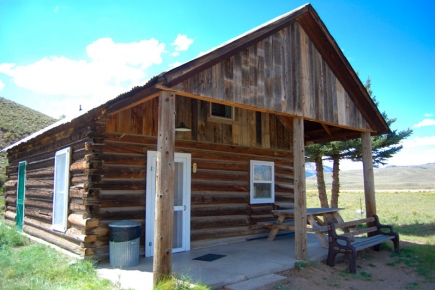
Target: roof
(305,15)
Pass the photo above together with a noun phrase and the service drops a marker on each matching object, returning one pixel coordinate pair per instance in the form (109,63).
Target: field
(411,213)
(390,178)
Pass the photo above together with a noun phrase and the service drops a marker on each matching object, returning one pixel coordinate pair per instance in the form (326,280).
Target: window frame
(220,118)
(62,226)
(270,199)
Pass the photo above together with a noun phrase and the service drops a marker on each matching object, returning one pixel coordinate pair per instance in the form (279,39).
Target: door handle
(184,207)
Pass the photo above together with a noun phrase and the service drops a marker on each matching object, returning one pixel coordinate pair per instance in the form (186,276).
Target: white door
(181,234)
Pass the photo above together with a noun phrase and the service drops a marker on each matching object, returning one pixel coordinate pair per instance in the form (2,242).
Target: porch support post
(369,179)
(301,245)
(164,206)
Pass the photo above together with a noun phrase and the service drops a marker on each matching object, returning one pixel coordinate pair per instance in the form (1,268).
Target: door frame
(186,159)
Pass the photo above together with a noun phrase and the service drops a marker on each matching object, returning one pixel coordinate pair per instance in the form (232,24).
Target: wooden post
(369,179)
(301,244)
(164,207)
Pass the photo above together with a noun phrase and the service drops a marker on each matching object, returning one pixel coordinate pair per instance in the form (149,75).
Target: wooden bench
(346,243)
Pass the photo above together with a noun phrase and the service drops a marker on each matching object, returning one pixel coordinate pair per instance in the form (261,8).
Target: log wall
(220,206)
(82,231)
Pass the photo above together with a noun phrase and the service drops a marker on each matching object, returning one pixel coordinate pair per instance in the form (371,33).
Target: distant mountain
(17,122)
(416,177)
(310,169)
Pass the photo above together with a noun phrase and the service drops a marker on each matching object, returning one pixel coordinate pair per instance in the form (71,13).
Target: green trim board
(21,193)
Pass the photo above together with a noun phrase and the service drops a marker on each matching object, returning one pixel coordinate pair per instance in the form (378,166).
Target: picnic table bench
(315,222)
(347,243)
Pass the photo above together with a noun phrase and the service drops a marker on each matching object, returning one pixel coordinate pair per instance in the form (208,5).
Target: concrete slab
(242,261)
(257,283)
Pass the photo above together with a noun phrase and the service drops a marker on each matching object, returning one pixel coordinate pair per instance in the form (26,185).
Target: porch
(242,261)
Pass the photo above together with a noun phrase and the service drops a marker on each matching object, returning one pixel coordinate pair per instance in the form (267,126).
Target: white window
(262,182)
(61,189)
(221,111)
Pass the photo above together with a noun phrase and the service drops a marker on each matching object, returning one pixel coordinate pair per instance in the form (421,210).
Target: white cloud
(175,53)
(182,42)
(425,122)
(112,69)
(428,115)
(2,85)
(416,151)
(175,64)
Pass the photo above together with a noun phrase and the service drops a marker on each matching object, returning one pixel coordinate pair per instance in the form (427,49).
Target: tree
(384,146)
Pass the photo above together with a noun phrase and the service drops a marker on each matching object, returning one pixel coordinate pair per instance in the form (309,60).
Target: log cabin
(247,109)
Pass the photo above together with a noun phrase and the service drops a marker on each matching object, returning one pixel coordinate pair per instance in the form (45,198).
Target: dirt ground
(375,270)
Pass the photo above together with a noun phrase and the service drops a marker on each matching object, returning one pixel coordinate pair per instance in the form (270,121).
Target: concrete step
(259,283)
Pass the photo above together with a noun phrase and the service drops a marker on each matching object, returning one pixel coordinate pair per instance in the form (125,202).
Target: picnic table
(315,222)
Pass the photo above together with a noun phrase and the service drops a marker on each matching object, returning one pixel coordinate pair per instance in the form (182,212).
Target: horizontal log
(78,221)
(219,221)
(219,210)
(120,213)
(11,192)
(79,166)
(10,184)
(11,199)
(77,179)
(117,158)
(54,239)
(77,192)
(100,231)
(43,172)
(76,234)
(11,208)
(125,171)
(217,175)
(44,193)
(261,209)
(208,234)
(38,204)
(208,197)
(39,183)
(77,207)
(71,234)
(117,184)
(43,214)
(10,215)
(221,186)
(141,139)
(221,164)
(70,137)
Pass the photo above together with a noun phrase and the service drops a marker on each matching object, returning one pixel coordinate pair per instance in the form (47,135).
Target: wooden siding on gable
(283,73)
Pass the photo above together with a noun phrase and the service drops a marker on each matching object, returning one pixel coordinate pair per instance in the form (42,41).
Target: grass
(180,283)
(412,216)
(26,265)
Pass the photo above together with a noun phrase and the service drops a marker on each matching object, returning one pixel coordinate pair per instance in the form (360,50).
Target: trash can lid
(124,231)
(124,224)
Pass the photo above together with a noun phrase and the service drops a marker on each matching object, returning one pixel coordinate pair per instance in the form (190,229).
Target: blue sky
(57,55)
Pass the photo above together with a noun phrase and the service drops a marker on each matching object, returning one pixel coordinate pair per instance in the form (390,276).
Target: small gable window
(221,111)
(262,182)
(61,189)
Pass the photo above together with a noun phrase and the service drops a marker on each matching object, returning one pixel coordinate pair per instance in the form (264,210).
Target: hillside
(17,122)
(418,177)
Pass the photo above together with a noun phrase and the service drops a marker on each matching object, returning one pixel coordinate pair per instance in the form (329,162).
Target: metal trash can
(124,243)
